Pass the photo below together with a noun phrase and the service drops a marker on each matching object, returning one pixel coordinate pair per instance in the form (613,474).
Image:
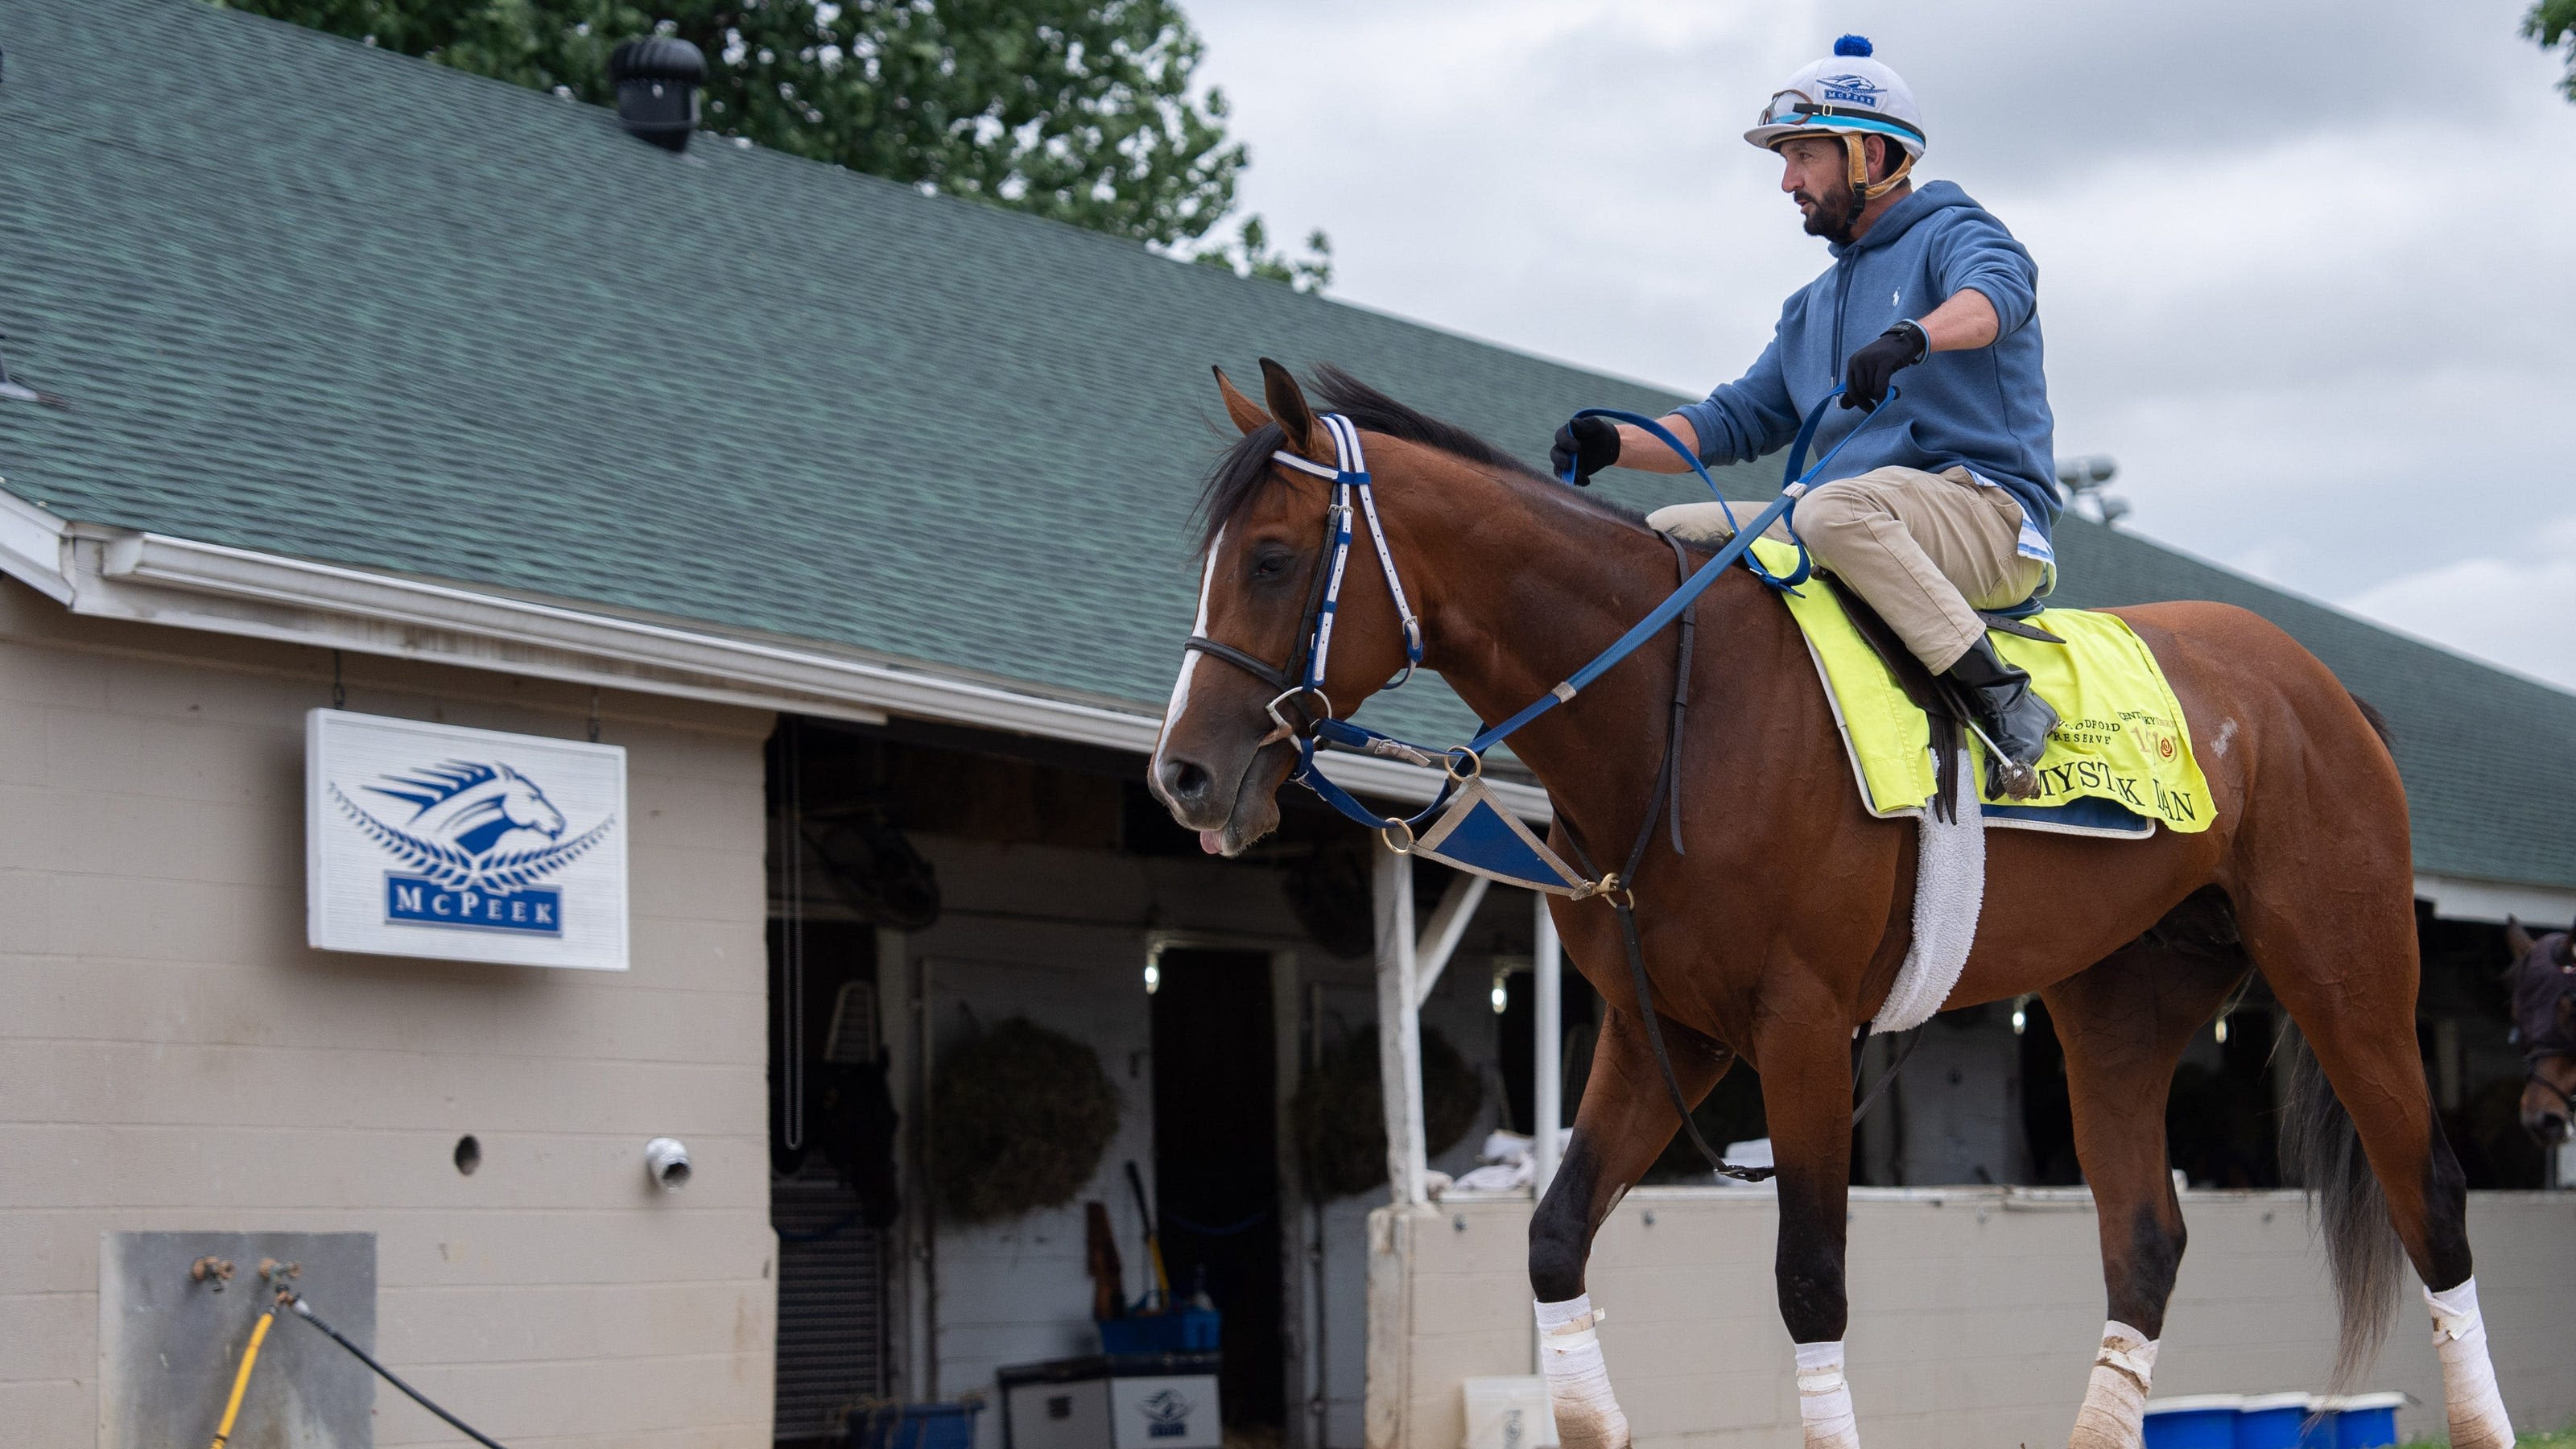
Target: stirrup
(2005,776)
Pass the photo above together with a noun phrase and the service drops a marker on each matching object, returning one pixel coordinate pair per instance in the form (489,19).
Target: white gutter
(2455,898)
(116,573)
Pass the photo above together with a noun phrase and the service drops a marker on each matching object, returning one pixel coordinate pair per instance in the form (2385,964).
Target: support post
(1547,1039)
(1441,934)
(1399,1028)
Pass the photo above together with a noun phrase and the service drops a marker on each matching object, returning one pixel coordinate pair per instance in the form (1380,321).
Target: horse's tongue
(1212,841)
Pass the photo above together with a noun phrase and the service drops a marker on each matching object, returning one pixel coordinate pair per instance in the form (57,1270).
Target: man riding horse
(1947,512)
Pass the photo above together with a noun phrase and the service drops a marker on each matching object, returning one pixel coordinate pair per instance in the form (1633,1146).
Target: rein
(1300,683)
(1471,831)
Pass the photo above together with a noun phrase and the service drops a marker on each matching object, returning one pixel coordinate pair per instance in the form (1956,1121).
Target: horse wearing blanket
(1770,926)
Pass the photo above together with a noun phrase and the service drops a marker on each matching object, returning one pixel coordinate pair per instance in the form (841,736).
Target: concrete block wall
(173,1057)
(1974,1313)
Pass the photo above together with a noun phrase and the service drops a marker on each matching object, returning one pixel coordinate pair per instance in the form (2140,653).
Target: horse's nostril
(1185,781)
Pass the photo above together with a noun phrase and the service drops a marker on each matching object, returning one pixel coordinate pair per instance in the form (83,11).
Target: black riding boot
(2016,720)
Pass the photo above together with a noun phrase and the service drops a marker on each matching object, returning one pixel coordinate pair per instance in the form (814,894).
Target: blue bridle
(1463,764)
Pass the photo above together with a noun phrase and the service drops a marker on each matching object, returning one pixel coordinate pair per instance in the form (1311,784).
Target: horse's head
(2544,1024)
(1226,745)
(525,806)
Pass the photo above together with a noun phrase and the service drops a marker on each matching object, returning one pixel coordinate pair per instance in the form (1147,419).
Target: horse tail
(2322,1151)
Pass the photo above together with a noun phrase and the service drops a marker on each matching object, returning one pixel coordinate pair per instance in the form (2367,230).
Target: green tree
(1249,254)
(1079,110)
(2553,24)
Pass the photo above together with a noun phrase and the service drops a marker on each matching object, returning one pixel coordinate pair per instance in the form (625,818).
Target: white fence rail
(1975,1313)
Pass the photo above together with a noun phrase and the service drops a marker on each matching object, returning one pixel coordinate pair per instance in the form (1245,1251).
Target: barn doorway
(1216,1167)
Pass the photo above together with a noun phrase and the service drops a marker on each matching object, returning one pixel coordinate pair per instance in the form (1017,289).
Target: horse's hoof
(2480,1433)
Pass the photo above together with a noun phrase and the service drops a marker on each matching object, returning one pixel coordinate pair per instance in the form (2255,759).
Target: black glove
(1865,376)
(1586,445)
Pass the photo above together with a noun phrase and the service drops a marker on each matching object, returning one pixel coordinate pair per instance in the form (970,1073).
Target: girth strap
(2020,628)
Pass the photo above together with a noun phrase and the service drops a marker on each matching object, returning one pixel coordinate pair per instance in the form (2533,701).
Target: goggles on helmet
(1797,108)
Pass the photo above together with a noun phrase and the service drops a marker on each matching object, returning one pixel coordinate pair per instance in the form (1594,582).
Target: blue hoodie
(1986,408)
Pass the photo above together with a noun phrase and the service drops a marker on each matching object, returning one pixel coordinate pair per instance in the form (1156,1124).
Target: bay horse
(1778,929)
(2543,979)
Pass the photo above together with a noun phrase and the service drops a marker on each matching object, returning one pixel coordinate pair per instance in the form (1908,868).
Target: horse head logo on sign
(479,838)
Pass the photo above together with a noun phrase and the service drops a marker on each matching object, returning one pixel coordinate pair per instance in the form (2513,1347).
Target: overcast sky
(2307,270)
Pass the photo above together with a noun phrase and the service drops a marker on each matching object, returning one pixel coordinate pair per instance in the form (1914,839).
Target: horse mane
(1243,474)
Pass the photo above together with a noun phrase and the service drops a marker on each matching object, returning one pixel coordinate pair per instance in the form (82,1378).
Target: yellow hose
(241,1380)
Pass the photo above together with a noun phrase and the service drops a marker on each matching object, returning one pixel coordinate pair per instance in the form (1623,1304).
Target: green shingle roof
(314,299)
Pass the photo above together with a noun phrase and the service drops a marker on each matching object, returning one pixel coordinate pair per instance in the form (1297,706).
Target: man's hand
(1584,447)
(1866,376)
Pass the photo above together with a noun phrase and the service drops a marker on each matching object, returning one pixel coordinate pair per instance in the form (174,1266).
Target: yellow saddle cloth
(2119,762)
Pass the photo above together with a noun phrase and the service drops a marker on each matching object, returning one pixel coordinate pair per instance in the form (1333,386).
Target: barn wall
(1974,1313)
(172,1057)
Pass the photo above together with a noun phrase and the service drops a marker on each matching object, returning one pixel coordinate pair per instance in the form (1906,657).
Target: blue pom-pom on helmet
(1852,45)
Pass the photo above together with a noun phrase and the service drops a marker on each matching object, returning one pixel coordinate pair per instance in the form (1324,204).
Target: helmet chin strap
(1856,162)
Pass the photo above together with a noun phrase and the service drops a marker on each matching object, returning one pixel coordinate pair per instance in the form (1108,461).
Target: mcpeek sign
(433,840)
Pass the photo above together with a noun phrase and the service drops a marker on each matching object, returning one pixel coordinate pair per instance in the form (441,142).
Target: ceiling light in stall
(2021,1014)
(1502,993)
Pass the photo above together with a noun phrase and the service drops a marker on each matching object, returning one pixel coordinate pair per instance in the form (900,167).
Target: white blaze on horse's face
(1189,660)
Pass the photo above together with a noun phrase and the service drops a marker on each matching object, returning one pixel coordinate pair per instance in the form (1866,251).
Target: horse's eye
(1269,564)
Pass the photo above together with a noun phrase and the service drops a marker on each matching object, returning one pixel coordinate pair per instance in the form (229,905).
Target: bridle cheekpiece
(1302,680)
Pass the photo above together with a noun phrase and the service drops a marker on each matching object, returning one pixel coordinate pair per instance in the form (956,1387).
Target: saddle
(2119,765)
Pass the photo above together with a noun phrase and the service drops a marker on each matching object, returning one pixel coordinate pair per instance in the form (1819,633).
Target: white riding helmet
(1852,96)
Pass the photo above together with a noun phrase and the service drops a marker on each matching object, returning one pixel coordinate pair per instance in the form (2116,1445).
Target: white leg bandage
(2115,1399)
(1824,1397)
(1578,1383)
(2468,1377)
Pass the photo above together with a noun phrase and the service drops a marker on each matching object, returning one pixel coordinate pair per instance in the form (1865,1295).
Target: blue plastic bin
(916,1426)
(2317,1430)
(2270,1421)
(1183,1330)
(2202,1421)
(2366,1421)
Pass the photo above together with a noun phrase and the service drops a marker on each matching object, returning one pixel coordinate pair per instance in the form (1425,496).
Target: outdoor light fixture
(2083,478)
(666,1161)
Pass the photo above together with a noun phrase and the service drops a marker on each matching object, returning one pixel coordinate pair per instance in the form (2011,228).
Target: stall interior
(936,891)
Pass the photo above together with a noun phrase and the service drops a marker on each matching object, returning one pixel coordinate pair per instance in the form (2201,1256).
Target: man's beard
(1831,215)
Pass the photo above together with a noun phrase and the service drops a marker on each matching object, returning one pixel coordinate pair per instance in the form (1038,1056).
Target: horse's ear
(1288,408)
(2516,939)
(2567,948)
(1246,413)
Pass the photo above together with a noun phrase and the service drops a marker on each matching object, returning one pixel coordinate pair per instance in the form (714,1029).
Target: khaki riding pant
(1926,549)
